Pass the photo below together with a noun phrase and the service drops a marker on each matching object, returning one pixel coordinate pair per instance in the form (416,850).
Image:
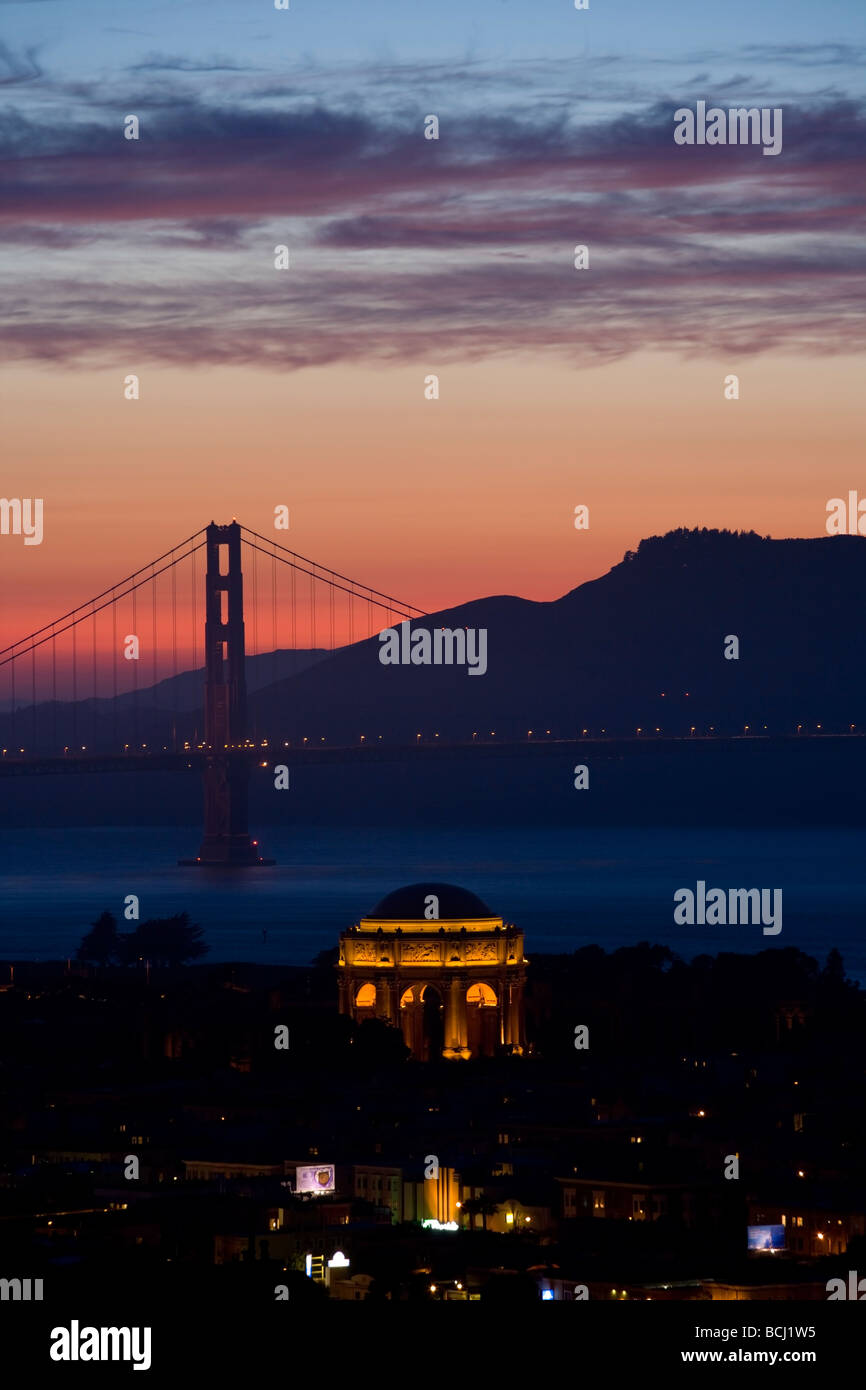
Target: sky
(305,387)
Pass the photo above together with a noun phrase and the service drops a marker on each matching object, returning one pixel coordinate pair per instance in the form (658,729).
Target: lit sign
(766,1237)
(319,1177)
(441,1225)
(339,1261)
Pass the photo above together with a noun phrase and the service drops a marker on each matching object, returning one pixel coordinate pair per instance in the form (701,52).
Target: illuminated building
(433,960)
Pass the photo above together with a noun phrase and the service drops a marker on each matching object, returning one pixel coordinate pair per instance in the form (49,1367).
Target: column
(513,1028)
(385,998)
(456,1044)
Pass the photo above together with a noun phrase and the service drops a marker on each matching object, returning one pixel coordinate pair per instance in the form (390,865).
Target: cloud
(156,62)
(670,296)
(194,160)
(808,55)
(403,247)
(17,67)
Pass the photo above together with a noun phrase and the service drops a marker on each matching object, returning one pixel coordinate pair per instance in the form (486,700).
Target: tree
(167,941)
(479,1206)
(327,958)
(100,944)
(486,1209)
(379,1043)
(125,950)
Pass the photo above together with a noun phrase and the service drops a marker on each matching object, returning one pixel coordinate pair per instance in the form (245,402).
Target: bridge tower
(227,768)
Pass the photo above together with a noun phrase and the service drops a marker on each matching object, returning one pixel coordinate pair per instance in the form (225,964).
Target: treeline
(644,999)
(705,540)
(160,941)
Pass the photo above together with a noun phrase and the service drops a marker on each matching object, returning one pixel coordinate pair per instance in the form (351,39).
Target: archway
(365,1002)
(483,1026)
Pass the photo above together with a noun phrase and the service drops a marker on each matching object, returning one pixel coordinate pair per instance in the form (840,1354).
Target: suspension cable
(114,587)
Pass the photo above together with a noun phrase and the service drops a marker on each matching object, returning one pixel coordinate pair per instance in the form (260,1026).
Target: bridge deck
(192,760)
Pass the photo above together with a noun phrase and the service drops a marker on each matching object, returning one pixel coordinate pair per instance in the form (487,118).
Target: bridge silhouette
(42,733)
(225,753)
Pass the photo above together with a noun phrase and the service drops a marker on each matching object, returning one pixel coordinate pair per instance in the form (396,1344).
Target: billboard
(766,1237)
(318,1177)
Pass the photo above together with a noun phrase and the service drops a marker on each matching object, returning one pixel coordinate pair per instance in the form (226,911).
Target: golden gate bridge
(225,751)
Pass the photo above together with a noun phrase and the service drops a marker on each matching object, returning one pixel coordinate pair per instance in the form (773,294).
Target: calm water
(565,887)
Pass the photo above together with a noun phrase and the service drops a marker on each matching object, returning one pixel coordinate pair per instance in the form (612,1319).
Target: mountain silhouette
(642,646)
